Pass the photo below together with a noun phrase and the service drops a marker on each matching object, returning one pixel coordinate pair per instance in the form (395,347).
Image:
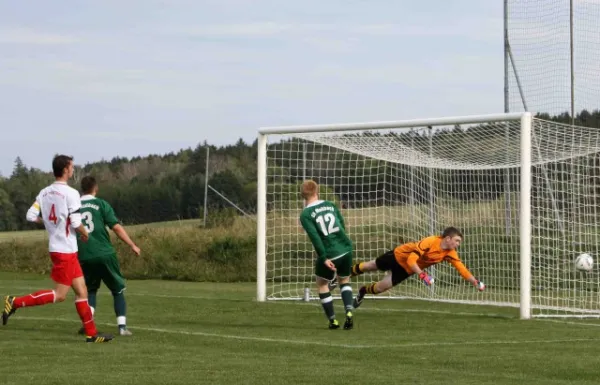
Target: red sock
(38,298)
(85,313)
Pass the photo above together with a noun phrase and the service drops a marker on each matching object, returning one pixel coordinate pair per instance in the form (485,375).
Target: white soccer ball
(584,262)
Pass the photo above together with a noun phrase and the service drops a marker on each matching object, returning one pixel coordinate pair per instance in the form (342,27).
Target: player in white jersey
(57,207)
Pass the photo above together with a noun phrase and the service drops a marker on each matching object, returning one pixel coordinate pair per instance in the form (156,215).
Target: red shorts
(65,268)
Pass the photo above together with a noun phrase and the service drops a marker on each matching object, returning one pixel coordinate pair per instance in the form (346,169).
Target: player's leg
(11,303)
(92,274)
(346,291)
(324,276)
(386,262)
(82,306)
(363,267)
(85,312)
(114,280)
(343,267)
(92,280)
(59,275)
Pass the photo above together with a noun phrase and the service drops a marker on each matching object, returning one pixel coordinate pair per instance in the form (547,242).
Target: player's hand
(426,278)
(480,285)
(84,236)
(330,265)
(136,250)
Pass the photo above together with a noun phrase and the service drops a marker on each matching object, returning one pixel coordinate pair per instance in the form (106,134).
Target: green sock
(327,303)
(346,290)
(120,308)
(92,299)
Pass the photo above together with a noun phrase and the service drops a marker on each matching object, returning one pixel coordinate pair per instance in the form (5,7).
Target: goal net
(397,182)
(555,51)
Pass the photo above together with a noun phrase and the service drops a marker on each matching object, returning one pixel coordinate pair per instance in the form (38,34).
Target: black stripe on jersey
(424,250)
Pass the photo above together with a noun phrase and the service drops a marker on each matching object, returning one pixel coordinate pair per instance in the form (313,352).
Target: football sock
(38,298)
(357,269)
(85,314)
(120,309)
(327,303)
(346,291)
(92,301)
(370,289)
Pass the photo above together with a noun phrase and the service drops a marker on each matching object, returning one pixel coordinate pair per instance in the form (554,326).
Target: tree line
(171,186)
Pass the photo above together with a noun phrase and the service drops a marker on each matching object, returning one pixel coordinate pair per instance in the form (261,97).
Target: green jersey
(96,215)
(325,227)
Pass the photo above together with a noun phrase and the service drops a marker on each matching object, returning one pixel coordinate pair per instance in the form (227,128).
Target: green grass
(199,333)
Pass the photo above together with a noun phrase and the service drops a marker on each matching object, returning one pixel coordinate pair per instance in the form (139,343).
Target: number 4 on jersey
(52,216)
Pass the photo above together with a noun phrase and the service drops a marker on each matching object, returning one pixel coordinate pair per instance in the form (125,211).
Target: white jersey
(58,205)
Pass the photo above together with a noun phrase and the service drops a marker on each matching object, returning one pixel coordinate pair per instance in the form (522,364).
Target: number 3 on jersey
(88,221)
(330,220)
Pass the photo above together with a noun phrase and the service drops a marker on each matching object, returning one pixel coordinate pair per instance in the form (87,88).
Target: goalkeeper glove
(426,278)
(480,285)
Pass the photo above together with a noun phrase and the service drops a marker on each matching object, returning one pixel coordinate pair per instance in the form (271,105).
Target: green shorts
(105,269)
(343,265)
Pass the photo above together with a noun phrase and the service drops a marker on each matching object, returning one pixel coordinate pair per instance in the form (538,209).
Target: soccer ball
(584,262)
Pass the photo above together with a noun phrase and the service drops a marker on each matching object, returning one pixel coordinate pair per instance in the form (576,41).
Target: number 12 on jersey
(327,224)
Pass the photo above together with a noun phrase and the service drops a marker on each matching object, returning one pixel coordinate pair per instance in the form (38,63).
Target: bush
(221,218)
(175,253)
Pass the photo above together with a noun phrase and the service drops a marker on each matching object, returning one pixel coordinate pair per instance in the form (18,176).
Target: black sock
(327,303)
(346,291)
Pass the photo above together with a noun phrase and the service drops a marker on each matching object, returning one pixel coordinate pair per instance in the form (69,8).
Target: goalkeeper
(97,256)
(413,258)
(325,227)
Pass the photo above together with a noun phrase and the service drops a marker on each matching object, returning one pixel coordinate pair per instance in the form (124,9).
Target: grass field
(198,333)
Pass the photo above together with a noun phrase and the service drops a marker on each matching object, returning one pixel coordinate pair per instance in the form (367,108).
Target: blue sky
(134,77)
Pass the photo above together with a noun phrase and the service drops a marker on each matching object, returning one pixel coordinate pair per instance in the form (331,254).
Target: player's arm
(33,214)
(113,223)
(122,234)
(464,272)
(413,257)
(315,239)
(73,206)
(412,263)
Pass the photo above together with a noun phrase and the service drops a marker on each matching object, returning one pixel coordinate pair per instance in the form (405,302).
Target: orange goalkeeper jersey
(428,252)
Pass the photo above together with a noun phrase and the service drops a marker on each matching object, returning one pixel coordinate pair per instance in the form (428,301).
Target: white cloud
(28,36)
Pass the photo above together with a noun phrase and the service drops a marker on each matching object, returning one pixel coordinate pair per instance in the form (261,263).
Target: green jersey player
(97,256)
(324,225)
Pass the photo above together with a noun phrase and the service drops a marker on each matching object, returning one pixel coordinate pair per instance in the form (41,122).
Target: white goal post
(517,186)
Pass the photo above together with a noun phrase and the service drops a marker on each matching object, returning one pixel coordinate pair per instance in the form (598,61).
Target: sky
(99,79)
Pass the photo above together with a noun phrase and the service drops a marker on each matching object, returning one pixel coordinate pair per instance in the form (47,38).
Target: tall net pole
(572,62)
(507,192)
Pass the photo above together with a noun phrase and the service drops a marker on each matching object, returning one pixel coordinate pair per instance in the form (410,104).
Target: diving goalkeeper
(413,258)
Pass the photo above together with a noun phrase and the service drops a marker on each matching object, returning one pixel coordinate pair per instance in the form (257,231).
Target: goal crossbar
(382,125)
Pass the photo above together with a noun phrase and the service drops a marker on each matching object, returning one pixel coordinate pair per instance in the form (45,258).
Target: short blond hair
(309,189)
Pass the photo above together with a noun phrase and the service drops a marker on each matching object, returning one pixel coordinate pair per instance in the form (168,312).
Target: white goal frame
(525,119)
